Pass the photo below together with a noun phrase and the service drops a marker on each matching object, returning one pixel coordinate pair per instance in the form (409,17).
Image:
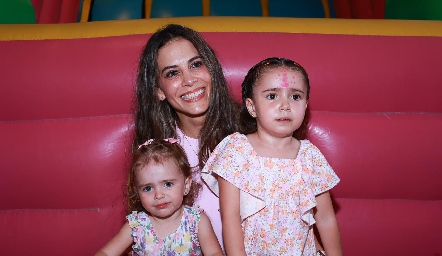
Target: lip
(284,120)
(194,95)
(162,206)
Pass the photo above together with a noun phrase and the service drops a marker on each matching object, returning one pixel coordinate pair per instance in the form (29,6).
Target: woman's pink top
(207,200)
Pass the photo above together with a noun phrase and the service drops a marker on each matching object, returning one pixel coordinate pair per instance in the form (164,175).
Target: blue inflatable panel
(176,8)
(235,8)
(296,8)
(116,10)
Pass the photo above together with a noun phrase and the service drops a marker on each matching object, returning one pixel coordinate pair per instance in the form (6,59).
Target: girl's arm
(207,238)
(233,235)
(328,225)
(118,244)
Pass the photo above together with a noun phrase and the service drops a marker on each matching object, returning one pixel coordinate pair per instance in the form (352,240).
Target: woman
(182,93)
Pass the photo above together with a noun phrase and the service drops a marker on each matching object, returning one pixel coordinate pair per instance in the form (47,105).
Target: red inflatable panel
(60,72)
(74,154)
(58,232)
(409,226)
(359,9)
(56,11)
(380,155)
(64,80)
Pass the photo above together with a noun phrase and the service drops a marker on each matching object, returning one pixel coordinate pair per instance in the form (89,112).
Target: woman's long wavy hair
(158,119)
(248,123)
(159,151)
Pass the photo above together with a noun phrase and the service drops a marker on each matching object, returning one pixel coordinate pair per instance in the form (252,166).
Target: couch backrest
(66,124)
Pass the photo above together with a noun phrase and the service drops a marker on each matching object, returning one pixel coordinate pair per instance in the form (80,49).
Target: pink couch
(66,124)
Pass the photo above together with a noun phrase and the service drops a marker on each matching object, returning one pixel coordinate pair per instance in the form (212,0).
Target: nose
(158,195)
(188,79)
(285,105)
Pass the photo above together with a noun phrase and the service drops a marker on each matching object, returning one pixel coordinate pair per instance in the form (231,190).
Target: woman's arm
(328,225)
(118,244)
(207,238)
(233,235)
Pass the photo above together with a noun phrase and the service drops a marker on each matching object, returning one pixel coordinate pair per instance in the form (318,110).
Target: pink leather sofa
(66,124)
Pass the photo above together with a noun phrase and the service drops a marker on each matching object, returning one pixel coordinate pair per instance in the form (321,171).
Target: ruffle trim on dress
(194,219)
(250,204)
(310,154)
(306,204)
(138,222)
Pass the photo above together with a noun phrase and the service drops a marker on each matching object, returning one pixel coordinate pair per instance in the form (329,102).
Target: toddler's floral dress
(277,195)
(184,241)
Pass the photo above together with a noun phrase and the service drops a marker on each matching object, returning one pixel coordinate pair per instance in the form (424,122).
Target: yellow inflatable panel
(223,24)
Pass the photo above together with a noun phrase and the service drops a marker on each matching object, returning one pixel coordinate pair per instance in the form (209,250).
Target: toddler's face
(161,188)
(279,101)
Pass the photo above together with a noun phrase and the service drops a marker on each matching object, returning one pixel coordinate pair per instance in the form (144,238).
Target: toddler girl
(160,195)
(272,186)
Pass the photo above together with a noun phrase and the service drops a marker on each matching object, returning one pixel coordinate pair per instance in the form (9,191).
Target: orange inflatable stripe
(222,24)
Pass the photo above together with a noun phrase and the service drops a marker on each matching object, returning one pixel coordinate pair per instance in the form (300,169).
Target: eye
(171,73)
(296,97)
(271,96)
(168,184)
(197,64)
(147,189)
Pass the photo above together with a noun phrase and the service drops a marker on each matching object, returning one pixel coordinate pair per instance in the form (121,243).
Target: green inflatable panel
(413,9)
(17,12)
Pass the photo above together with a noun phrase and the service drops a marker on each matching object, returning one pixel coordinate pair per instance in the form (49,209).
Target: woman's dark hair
(248,123)
(157,119)
(159,151)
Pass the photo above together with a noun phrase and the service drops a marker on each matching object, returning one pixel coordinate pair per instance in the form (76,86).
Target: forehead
(175,52)
(158,171)
(281,77)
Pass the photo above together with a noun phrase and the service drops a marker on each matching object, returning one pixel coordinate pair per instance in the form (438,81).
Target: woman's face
(184,80)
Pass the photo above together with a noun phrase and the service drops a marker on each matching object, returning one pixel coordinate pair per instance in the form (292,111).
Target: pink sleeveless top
(207,200)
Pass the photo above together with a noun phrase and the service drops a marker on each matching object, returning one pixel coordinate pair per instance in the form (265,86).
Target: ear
(161,94)
(187,185)
(251,107)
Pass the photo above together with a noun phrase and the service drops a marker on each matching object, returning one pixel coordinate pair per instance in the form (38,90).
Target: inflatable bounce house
(66,123)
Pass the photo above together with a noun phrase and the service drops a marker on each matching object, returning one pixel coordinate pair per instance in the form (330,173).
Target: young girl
(160,193)
(272,186)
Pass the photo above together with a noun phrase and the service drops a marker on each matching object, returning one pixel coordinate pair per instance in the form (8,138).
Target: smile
(193,95)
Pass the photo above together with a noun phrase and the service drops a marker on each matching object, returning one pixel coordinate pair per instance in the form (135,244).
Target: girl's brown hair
(159,151)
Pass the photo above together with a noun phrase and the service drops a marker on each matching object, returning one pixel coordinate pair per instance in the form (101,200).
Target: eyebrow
(278,89)
(174,66)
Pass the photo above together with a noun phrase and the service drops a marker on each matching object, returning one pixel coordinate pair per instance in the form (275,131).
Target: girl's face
(184,79)
(279,102)
(161,188)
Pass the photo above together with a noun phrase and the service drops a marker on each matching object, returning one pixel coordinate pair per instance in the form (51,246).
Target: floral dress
(184,241)
(277,196)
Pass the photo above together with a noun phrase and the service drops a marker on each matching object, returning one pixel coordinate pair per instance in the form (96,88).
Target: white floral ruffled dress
(277,196)
(184,241)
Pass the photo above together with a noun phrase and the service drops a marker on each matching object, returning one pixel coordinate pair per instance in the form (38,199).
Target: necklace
(190,145)
(195,169)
